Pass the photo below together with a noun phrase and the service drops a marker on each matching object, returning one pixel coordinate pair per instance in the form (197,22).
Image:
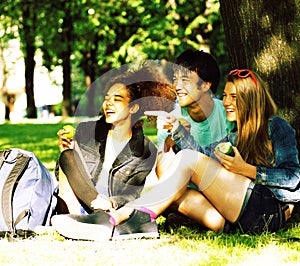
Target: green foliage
(102,35)
(122,31)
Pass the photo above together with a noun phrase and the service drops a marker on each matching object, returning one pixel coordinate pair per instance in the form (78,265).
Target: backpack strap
(3,156)
(8,187)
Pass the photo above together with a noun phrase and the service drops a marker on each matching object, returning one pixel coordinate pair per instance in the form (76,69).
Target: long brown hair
(254,106)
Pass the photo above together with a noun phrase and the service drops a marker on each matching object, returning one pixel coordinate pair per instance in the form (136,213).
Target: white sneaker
(94,227)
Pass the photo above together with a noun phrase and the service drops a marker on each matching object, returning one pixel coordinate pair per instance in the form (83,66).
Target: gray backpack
(28,192)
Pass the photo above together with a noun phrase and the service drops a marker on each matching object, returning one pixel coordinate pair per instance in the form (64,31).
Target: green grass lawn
(181,246)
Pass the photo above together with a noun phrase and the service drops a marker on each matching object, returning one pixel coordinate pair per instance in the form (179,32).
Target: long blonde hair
(254,106)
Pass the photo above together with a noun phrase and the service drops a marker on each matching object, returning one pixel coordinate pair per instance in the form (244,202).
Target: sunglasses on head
(244,73)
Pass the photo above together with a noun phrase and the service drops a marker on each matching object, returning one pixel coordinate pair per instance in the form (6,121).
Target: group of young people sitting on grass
(106,168)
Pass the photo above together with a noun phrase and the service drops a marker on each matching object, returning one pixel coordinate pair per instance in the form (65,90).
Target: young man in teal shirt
(196,79)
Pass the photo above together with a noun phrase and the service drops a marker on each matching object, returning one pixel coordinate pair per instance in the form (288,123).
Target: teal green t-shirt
(214,128)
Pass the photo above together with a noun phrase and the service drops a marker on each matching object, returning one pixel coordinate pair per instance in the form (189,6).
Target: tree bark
(264,35)
(89,66)
(67,103)
(29,19)
(66,63)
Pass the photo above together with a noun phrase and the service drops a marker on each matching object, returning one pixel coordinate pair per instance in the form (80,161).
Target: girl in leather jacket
(106,163)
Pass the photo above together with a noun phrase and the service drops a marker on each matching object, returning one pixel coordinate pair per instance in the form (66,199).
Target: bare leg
(194,205)
(223,189)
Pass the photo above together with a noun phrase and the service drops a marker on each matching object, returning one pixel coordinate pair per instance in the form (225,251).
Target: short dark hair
(203,64)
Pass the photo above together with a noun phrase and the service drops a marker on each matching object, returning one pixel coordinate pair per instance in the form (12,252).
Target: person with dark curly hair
(112,156)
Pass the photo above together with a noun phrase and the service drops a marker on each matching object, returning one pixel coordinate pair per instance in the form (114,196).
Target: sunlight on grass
(41,139)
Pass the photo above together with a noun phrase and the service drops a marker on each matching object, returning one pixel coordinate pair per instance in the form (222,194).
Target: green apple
(71,131)
(224,147)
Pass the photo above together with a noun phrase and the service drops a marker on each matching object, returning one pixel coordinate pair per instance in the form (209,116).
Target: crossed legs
(222,192)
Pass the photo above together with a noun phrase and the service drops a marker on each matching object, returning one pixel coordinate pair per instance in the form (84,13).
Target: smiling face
(187,87)
(229,101)
(116,105)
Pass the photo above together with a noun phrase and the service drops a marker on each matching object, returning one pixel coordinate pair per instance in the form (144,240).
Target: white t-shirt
(111,153)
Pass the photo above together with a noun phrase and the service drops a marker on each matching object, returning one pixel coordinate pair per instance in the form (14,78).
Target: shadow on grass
(190,230)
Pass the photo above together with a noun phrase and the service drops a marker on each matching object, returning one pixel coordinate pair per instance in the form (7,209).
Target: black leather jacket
(130,168)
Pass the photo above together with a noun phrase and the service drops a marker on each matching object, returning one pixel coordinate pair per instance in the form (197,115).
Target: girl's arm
(285,172)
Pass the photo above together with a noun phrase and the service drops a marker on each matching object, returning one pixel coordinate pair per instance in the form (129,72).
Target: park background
(60,48)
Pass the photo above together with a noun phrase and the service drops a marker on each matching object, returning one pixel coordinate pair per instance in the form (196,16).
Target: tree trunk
(29,76)
(66,54)
(263,35)
(29,16)
(67,103)
(89,65)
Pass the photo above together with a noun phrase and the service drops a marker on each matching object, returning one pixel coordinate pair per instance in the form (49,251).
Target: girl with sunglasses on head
(251,190)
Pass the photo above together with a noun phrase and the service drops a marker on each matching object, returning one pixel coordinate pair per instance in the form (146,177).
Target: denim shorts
(263,212)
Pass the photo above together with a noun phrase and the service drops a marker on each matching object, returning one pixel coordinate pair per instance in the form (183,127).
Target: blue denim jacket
(283,178)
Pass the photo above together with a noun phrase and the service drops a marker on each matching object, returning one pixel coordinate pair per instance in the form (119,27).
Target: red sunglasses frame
(244,73)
